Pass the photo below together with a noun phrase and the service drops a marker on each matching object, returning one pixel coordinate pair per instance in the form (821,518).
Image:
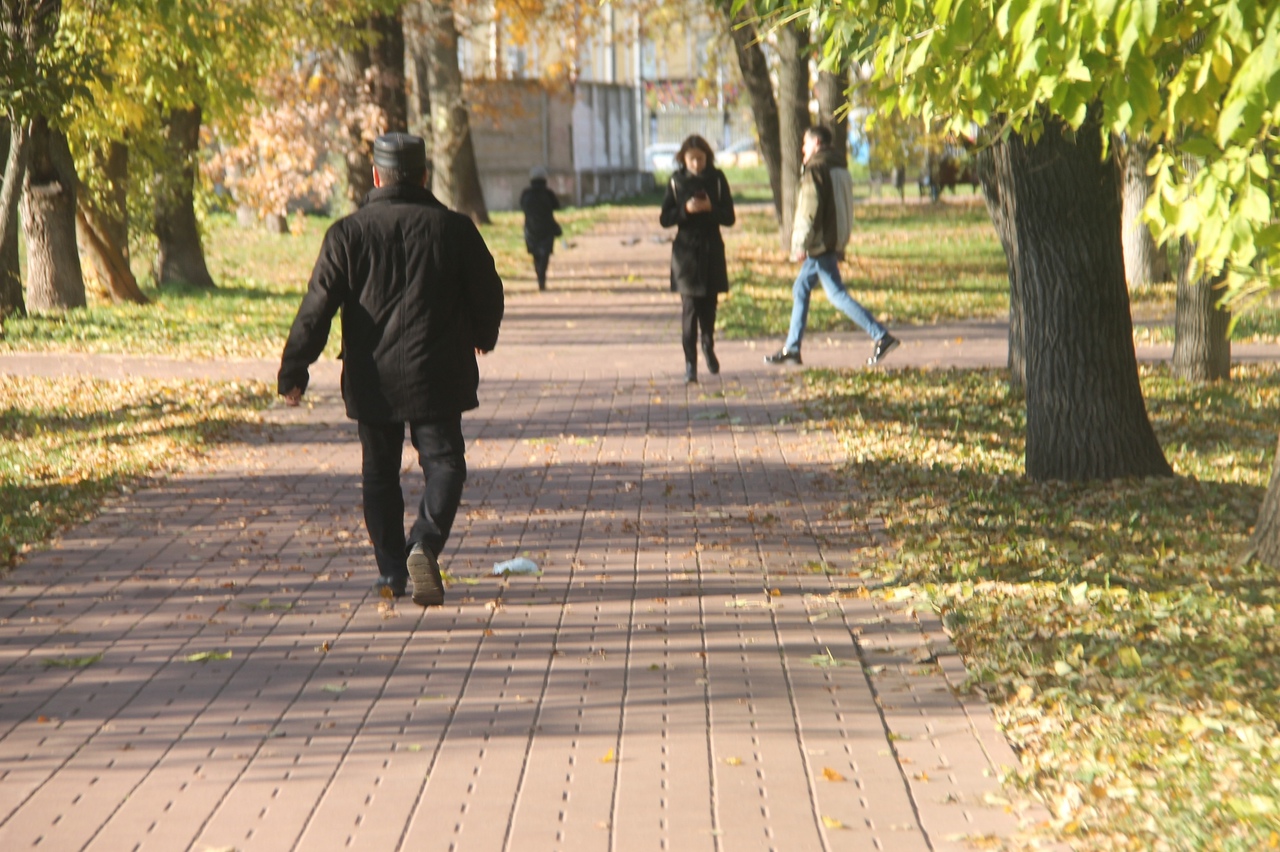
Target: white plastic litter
(519,565)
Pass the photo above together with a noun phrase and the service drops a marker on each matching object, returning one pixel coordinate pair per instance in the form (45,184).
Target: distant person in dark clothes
(539,204)
(823,223)
(698,202)
(419,298)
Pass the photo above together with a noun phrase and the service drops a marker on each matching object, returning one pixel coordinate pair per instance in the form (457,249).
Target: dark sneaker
(884,346)
(782,356)
(713,363)
(424,570)
(691,373)
(391,588)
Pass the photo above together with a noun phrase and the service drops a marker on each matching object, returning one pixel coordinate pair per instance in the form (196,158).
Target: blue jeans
(826,268)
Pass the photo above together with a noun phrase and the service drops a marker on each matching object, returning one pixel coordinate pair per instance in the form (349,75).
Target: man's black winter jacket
(418,293)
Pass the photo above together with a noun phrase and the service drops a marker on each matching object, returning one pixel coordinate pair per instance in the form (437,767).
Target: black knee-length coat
(697,255)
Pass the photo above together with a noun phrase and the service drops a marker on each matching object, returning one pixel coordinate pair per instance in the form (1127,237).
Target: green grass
(1131,655)
(71,442)
(261,278)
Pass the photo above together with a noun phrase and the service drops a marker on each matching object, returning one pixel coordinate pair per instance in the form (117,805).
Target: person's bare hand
(293,397)
(797,256)
(698,205)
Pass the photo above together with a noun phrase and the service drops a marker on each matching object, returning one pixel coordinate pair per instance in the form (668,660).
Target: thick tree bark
(1266,533)
(1144,261)
(374,73)
(764,108)
(54,279)
(1086,418)
(181,256)
(833,98)
(1001,214)
(455,178)
(1201,328)
(793,112)
(14,150)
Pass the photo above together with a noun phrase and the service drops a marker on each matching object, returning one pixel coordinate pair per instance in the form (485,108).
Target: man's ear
(377,178)
(426,179)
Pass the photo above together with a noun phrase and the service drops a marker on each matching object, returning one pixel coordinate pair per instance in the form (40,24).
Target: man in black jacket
(420,298)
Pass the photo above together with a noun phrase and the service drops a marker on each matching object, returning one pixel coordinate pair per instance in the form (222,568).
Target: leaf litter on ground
(1132,658)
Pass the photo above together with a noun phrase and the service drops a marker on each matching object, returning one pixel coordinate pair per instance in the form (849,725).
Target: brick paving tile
(682,673)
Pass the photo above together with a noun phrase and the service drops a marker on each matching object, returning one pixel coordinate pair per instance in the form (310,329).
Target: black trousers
(540,263)
(697,312)
(441,455)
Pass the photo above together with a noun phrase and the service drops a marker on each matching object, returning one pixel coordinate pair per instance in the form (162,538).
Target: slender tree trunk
(103,227)
(374,74)
(1144,261)
(455,177)
(793,113)
(755,74)
(1001,212)
(417,67)
(833,99)
(1086,418)
(112,265)
(1201,328)
(1266,533)
(13,138)
(54,279)
(181,255)
(114,206)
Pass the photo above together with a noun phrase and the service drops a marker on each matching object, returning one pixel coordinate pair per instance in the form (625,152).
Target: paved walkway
(698,666)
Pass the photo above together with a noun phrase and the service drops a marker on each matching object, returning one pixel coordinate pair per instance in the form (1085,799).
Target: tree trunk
(1144,261)
(1266,533)
(1002,217)
(112,265)
(14,152)
(1201,329)
(103,227)
(755,74)
(793,112)
(833,100)
(455,177)
(374,73)
(417,69)
(54,279)
(1086,418)
(181,256)
(114,207)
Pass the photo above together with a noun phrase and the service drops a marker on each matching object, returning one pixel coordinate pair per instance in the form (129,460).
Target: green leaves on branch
(1198,77)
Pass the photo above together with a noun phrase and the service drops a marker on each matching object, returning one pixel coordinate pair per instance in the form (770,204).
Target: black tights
(698,312)
(540,263)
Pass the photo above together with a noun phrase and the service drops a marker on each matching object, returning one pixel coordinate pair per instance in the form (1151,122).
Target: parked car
(742,153)
(661,156)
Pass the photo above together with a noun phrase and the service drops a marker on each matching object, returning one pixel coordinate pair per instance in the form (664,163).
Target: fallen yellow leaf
(831,775)
(832,822)
(608,758)
(733,761)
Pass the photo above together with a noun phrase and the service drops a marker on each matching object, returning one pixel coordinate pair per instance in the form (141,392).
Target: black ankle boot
(713,363)
(690,372)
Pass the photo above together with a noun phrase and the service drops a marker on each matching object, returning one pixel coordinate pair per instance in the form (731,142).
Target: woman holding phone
(698,203)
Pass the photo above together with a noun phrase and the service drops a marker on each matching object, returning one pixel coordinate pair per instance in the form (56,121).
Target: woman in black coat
(698,203)
(540,204)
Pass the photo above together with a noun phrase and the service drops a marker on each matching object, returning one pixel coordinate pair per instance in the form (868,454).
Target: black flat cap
(400,151)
